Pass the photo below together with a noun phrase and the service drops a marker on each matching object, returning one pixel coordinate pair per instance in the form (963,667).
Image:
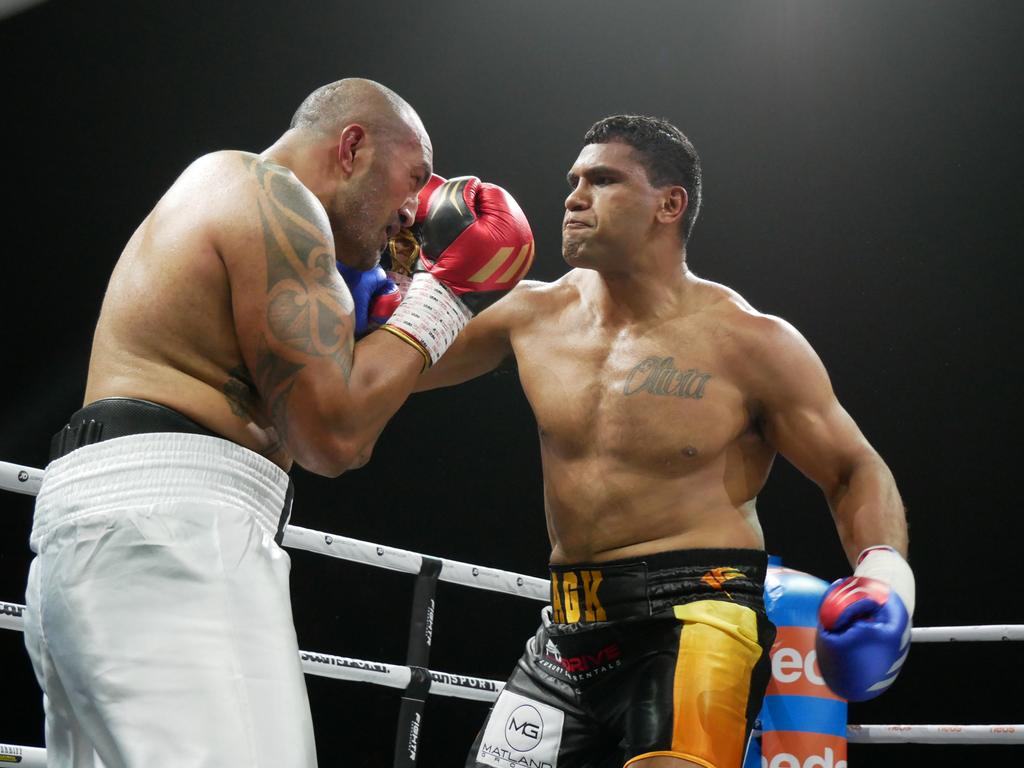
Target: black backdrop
(862,179)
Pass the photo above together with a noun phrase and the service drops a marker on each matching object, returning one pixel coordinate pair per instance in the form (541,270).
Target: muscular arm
(327,397)
(804,421)
(483,344)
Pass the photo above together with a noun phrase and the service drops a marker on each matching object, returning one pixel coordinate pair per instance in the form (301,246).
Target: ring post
(421,629)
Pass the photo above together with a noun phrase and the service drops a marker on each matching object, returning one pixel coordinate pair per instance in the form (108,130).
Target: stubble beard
(355,229)
(570,249)
(578,253)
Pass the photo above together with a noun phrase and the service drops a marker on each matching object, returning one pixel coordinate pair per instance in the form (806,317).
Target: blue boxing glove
(374,293)
(864,625)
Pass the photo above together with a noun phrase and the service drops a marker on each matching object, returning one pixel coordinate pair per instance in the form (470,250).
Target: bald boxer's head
(370,155)
(331,107)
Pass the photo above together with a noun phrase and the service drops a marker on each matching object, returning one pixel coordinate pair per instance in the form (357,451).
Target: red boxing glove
(424,197)
(476,244)
(476,240)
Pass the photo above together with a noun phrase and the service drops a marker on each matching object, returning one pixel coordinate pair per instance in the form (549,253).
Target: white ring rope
(14,477)
(467,574)
(935,734)
(987,632)
(342,668)
(26,480)
(23,757)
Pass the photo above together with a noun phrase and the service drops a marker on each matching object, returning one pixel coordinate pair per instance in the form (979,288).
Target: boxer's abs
(602,509)
(646,442)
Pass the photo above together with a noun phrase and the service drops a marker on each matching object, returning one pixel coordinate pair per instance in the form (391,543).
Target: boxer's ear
(351,141)
(673,205)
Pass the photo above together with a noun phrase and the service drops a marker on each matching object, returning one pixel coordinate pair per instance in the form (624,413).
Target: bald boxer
(158,614)
(661,401)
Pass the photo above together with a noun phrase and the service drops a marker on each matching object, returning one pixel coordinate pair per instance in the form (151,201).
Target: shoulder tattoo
(309,312)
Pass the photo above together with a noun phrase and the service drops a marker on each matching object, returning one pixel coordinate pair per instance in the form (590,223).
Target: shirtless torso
(648,440)
(227,305)
(662,398)
(167,331)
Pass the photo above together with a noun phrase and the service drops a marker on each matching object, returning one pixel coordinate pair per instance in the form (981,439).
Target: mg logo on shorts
(521,733)
(524,728)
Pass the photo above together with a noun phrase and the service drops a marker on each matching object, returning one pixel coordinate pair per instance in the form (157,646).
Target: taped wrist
(887,565)
(411,342)
(431,315)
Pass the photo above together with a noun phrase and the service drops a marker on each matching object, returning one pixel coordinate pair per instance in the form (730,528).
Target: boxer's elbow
(358,449)
(336,449)
(322,434)
(326,455)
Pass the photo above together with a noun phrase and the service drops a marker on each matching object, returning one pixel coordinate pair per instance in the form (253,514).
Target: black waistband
(117,417)
(122,416)
(652,584)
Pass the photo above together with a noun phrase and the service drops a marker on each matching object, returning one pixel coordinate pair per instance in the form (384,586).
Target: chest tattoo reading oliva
(659,376)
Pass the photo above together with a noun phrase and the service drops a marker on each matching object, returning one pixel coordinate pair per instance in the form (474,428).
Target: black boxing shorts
(666,655)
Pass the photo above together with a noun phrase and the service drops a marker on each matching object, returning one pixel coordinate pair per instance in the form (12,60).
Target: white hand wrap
(431,314)
(888,566)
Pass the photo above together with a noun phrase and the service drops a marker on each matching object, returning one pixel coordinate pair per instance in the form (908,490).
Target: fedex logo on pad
(795,665)
(793,749)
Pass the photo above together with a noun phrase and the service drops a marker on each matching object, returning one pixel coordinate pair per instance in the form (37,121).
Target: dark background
(863,167)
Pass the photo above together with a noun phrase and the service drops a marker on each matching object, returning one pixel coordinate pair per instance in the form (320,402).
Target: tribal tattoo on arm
(240,392)
(309,311)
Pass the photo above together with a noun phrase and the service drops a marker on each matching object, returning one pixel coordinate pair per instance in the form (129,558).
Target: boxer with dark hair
(661,401)
(158,616)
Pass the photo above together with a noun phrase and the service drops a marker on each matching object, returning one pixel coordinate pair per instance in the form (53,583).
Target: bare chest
(659,398)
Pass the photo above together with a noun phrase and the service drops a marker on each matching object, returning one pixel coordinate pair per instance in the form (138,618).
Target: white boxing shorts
(158,615)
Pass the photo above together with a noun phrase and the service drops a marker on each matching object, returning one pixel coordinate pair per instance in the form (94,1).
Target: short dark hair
(666,154)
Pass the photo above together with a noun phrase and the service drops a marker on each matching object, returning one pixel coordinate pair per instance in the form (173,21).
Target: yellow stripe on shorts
(718,649)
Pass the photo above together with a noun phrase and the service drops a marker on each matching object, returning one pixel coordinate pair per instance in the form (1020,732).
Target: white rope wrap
(343,668)
(987,633)
(14,477)
(453,571)
(431,314)
(935,734)
(398,676)
(12,616)
(23,757)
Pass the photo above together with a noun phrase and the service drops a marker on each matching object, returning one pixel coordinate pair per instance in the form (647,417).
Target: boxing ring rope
(344,668)
(417,681)
(935,734)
